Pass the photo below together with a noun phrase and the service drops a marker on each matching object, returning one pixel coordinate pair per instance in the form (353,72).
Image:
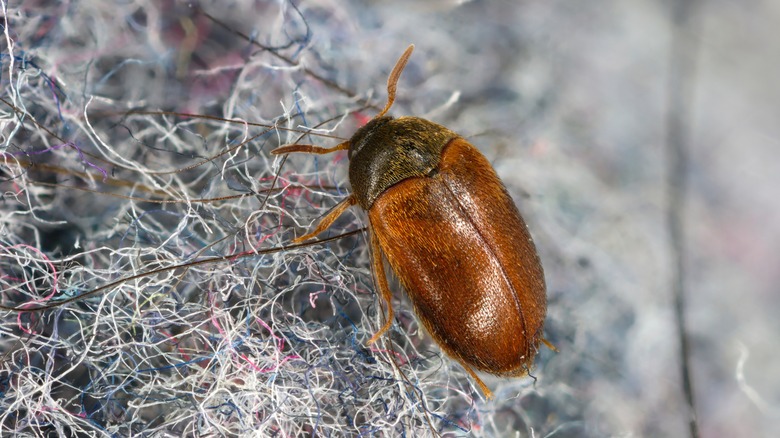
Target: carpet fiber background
(575,103)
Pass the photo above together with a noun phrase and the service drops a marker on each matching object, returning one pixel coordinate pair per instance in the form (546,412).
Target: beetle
(448,228)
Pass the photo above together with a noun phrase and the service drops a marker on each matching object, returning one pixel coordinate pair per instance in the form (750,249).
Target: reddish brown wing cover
(463,253)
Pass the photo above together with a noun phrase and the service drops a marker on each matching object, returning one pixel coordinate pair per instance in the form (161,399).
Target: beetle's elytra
(448,228)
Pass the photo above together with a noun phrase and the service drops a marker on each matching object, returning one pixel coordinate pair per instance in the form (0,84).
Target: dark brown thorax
(387,151)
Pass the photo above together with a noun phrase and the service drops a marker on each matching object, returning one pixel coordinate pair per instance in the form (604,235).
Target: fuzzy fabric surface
(638,139)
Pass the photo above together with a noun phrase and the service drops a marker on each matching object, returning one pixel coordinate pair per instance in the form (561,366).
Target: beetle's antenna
(392,85)
(392,81)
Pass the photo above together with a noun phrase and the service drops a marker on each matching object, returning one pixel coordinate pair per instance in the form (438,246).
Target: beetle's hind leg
(488,393)
(381,279)
(549,345)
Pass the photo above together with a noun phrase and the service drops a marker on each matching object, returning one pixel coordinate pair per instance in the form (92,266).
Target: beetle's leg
(488,393)
(549,345)
(309,149)
(379,273)
(331,217)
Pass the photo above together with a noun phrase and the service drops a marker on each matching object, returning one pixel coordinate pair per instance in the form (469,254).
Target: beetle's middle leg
(381,277)
(328,220)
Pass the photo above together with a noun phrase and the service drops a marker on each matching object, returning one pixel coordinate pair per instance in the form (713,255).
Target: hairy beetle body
(451,233)
(464,255)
